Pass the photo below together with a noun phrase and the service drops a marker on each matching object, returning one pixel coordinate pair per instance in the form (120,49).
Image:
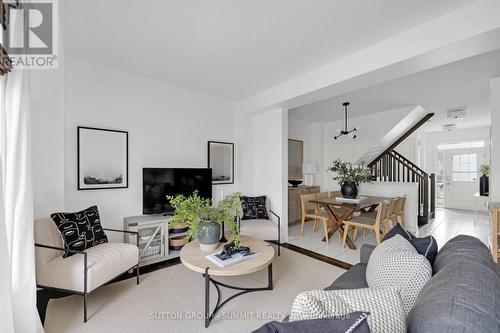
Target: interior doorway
(457,173)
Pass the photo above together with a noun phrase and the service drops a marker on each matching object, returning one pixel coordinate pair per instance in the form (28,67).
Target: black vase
(349,190)
(484,184)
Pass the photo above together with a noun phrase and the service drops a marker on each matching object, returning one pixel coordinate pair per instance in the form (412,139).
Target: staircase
(391,166)
(394,167)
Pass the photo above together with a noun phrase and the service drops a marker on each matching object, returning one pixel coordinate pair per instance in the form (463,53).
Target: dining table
(339,209)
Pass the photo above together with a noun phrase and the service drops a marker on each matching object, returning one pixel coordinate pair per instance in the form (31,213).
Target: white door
(462,177)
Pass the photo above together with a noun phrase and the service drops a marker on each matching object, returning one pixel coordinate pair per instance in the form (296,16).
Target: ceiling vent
(449,127)
(455,113)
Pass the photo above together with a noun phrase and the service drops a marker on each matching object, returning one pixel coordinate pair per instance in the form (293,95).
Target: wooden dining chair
(400,210)
(333,194)
(368,221)
(321,210)
(392,214)
(310,210)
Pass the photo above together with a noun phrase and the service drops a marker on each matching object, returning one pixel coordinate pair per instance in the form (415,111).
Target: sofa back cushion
(396,263)
(46,233)
(463,248)
(464,293)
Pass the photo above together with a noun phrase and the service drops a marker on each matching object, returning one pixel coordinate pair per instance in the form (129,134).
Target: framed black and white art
(221,161)
(102,158)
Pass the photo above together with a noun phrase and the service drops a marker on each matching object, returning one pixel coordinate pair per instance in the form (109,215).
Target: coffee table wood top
(194,258)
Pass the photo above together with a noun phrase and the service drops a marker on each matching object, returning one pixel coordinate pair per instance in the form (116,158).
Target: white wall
(168,127)
(263,158)
(495,140)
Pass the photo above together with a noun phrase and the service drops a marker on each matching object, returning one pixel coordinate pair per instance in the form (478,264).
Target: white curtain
(18,311)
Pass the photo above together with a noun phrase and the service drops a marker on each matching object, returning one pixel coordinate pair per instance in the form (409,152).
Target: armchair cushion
(260,229)
(254,208)
(104,261)
(80,230)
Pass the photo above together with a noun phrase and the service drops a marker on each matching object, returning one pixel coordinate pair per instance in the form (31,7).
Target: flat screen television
(158,183)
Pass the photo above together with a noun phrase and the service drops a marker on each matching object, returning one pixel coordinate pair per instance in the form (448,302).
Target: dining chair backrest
(322,195)
(391,207)
(334,194)
(402,204)
(383,210)
(307,205)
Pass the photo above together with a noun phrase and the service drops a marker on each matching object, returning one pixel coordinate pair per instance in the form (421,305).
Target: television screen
(158,183)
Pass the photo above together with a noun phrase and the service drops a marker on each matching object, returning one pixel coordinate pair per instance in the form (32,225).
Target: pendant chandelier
(345,131)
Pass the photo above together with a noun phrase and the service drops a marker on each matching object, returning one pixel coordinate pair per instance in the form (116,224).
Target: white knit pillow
(396,263)
(384,306)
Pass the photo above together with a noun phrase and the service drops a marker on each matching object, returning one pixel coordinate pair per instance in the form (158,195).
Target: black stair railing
(394,167)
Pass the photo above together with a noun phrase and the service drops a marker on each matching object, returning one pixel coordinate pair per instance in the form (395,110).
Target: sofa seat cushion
(260,229)
(383,304)
(104,262)
(396,263)
(354,278)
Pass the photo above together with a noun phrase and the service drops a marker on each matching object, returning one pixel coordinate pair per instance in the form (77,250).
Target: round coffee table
(195,259)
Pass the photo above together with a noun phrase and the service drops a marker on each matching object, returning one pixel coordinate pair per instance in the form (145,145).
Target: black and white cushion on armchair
(259,221)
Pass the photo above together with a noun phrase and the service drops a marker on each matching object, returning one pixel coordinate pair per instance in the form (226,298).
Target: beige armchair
(84,271)
(268,230)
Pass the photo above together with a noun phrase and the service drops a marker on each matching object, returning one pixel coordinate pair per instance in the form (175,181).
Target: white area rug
(167,300)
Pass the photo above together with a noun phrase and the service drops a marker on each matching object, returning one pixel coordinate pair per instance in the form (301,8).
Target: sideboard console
(294,194)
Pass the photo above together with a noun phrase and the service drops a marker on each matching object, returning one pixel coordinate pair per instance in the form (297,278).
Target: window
(464,168)
(460,145)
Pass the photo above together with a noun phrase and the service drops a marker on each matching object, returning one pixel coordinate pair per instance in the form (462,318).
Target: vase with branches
(349,177)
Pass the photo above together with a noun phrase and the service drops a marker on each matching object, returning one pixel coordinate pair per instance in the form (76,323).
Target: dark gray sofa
(463,294)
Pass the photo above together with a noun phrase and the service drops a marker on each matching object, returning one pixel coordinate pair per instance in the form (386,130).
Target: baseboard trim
(317,256)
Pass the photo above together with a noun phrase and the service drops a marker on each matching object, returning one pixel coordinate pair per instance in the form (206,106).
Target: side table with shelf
(154,237)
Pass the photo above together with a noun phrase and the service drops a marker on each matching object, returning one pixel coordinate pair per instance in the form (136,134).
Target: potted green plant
(349,177)
(484,180)
(203,220)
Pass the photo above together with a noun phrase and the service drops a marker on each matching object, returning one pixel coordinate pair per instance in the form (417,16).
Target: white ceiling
(464,83)
(233,48)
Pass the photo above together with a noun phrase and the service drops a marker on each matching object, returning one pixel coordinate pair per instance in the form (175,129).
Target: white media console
(153,237)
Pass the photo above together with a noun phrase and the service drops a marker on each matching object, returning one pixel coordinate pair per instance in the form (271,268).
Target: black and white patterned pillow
(80,230)
(254,208)
(384,305)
